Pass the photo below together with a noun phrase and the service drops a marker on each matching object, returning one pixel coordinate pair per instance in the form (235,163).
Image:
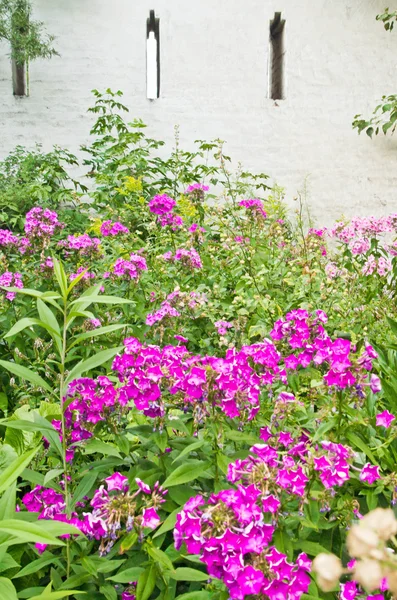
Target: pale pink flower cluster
(382,266)
(359,246)
(363,227)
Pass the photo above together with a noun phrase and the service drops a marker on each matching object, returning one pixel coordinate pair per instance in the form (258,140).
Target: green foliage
(32,177)
(74,311)
(384,117)
(27,38)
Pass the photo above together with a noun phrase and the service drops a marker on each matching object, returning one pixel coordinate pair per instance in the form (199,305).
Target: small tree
(27,38)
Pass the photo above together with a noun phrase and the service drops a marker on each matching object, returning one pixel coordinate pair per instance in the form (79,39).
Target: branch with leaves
(384,116)
(27,37)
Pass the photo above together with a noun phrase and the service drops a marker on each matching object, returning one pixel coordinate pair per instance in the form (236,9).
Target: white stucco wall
(214,83)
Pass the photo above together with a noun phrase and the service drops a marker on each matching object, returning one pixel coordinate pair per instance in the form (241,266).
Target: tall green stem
(63,424)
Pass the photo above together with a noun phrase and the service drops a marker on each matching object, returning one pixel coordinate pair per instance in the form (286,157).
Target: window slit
(152,56)
(277,53)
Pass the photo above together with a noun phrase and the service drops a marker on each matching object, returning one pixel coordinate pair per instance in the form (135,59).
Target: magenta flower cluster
(42,223)
(84,244)
(196,187)
(255,205)
(189,258)
(92,401)
(161,204)
(184,300)
(304,333)
(128,269)
(108,228)
(115,510)
(232,534)
(8,280)
(171,220)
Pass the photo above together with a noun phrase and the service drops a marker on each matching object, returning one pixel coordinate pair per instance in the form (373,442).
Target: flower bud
(328,569)
(382,521)
(368,573)
(392,582)
(361,541)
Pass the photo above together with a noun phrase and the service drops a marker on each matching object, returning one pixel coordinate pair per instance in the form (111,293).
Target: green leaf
(12,472)
(8,502)
(94,445)
(3,402)
(28,532)
(27,322)
(168,523)
(146,583)
(190,448)
(25,373)
(52,474)
(185,473)
(91,363)
(324,427)
(240,436)
(49,319)
(311,548)
(187,574)
(57,595)
(61,278)
(102,300)
(393,325)
(97,332)
(356,441)
(7,562)
(160,557)
(36,565)
(128,541)
(39,424)
(7,589)
(126,576)
(108,591)
(84,487)
(194,596)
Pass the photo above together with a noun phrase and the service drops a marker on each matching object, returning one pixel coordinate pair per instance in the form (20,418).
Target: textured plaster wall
(214,83)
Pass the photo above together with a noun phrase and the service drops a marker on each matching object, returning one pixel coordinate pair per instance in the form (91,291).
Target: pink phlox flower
(384,419)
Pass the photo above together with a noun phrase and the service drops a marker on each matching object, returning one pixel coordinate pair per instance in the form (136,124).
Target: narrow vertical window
(152,57)
(277,52)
